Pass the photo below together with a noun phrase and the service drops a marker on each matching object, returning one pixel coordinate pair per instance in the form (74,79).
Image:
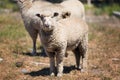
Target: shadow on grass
(42,53)
(45,71)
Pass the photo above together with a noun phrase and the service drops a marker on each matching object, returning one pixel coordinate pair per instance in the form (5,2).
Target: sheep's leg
(84,60)
(84,63)
(83,50)
(34,48)
(77,57)
(59,59)
(52,66)
(52,63)
(33,33)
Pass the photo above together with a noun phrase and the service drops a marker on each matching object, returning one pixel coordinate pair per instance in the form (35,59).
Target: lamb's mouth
(47,26)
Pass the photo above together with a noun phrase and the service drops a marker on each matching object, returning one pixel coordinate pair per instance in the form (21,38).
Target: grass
(8,4)
(103,9)
(110,8)
(103,46)
(12,32)
(11,29)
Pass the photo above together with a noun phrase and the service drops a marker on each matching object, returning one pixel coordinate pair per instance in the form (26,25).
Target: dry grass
(15,44)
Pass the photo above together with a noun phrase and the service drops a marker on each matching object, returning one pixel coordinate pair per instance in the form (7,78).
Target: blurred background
(104,5)
(103,18)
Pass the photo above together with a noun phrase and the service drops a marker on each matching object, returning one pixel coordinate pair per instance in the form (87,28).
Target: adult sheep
(75,7)
(28,9)
(59,35)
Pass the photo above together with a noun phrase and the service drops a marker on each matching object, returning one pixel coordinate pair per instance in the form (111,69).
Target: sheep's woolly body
(67,34)
(70,30)
(75,7)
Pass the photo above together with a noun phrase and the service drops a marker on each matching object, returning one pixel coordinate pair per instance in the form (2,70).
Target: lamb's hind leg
(77,57)
(83,50)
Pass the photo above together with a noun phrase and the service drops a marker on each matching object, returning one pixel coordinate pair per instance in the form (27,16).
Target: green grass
(87,7)
(12,32)
(107,9)
(11,28)
(103,9)
(110,9)
(8,4)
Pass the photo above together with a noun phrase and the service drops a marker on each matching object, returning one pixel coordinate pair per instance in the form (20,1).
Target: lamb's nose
(46,25)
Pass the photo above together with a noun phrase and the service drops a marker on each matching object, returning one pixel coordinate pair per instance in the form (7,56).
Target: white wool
(70,33)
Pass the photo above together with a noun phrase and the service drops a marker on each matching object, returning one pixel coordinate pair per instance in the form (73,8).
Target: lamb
(59,35)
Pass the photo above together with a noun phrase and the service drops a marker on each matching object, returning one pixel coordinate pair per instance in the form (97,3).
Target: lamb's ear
(66,15)
(55,14)
(40,16)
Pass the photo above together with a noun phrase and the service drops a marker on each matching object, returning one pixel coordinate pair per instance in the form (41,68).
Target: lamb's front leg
(59,59)
(52,63)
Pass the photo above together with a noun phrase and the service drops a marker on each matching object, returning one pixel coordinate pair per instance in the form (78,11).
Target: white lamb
(59,35)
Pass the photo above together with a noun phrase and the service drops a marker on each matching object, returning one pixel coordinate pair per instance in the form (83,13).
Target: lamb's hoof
(52,74)
(33,54)
(79,68)
(59,75)
(84,70)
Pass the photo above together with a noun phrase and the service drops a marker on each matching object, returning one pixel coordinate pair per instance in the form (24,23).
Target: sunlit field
(16,44)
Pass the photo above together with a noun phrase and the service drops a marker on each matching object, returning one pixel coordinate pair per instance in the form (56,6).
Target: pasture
(16,45)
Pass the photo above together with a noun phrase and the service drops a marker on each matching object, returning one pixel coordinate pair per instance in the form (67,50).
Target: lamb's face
(50,18)
(48,21)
